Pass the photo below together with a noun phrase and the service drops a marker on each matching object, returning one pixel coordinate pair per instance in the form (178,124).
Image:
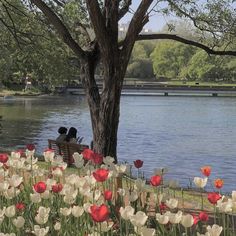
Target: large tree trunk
(104,107)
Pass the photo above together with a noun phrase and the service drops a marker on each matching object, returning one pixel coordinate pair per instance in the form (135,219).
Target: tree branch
(60,27)
(185,41)
(98,23)
(125,8)
(139,19)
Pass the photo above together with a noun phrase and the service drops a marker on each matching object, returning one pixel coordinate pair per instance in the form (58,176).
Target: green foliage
(141,68)
(140,65)
(210,68)
(35,51)
(169,58)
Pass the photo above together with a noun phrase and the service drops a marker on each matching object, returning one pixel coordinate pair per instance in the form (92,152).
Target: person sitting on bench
(62,131)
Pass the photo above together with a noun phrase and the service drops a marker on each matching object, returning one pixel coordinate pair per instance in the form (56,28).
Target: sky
(156,21)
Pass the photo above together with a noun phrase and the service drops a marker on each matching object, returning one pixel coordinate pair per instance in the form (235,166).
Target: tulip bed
(93,200)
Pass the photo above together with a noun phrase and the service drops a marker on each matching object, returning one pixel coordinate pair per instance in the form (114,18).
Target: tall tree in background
(98,44)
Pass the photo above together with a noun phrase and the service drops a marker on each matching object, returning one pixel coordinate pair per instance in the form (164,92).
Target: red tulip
(206,170)
(56,188)
(203,216)
(3,157)
(30,147)
(21,151)
(195,219)
(97,159)
(219,183)
(20,206)
(88,154)
(40,187)
(138,164)
(213,197)
(101,174)
(156,180)
(108,195)
(162,206)
(99,213)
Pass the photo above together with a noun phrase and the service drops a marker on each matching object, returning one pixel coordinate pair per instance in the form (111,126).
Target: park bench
(66,150)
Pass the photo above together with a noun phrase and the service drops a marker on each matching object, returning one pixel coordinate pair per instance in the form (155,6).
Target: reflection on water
(181,133)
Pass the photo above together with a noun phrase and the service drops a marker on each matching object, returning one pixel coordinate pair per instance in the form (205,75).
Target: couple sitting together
(70,137)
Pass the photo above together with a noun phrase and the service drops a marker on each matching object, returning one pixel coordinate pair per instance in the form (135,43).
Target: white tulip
(15,180)
(121,192)
(174,218)
(69,199)
(139,219)
(40,231)
(108,160)
(77,211)
(57,226)
(42,216)
(43,211)
(133,196)
(4,186)
(106,226)
(200,182)
(49,156)
(17,163)
(121,168)
(10,211)
(172,203)
(187,220)
(35,197)
(140,185)
(65,211)
(15,155)
(226,206)
(144,231)
(19,222)
(81,181)
(11,193)
(3,172)
(234,196)
(79,160)
(46,194)
(97,194)
(87,207)
(126,212)
(162,219)
(215,230)
(71,179)
(57,172)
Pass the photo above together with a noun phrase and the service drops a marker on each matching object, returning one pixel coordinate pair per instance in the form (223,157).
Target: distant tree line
(173,60)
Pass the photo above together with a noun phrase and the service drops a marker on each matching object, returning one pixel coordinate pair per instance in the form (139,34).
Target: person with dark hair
(62,131)
(71,136)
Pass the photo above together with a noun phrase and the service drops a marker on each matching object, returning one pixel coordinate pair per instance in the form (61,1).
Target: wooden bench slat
(66,150)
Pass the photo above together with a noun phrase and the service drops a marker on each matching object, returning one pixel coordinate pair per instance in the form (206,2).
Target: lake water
(180,133)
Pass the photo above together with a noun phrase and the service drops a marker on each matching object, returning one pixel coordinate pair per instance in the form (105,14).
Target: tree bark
(104,107)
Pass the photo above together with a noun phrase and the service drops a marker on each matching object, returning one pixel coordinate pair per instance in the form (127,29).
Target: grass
(6,92)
